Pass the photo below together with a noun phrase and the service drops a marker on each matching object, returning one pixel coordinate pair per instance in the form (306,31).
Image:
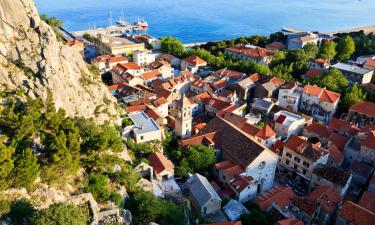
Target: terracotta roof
(161,92)
(280,196)
(323,94)
(241,182)
(339,140)
(160,101)
(229,109)
(236,145)
(276,45)
(367,108)
(369,141)
(156,83)
(304,148)
(131,66)
(335,153)
(280,119)
(277,146)
(159,64)
(223,165)
(356,214)
(204,97)
(367,201)
(370,62)
(241,123)
(200,126)
(318,129)
(198,139)
(343,126)
(135,108)
(117,59)
(218,104)
(233,171)
(76,42)
(228,73)
(313,73)
(222,83)
(255,52)
(266,132)
(195,60)
(153,74)
(290,221)
(335,175)
(152,113)
(325,196)
(159,162)
(255,77)
(168,57)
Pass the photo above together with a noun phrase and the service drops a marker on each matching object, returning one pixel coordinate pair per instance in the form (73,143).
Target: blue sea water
(205,20)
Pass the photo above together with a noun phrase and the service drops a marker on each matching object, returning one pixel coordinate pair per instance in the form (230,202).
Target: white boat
(141,23)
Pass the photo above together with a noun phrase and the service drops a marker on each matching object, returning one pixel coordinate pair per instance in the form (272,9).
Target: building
(299,40)
(182,112)
(244,188)
(144,129)
(162,167)
(111,45)
(319,131)
(362,114)
(251,53)
(370,64)
(129,67)
(164,68)
(234,209)
(106,62)
(320,206)
(151,75)
(235,145)
(143,58)
(262,106)
(269,88)
(361,172)
(202,195)
(173,60)
(155,43)
(354,214)
(275,46)
(192,63)
(290,95)
(325,175)
(355,74)
(320,102)
(301,157)
(287,124)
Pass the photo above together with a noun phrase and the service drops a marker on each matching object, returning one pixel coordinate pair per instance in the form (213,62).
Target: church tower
(183,116)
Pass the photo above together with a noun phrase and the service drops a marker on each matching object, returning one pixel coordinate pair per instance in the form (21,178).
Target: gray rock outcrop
(32,60)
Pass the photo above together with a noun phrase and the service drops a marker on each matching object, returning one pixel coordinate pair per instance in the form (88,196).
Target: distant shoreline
(366,29)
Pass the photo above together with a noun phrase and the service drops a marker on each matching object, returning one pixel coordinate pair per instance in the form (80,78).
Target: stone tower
(183,116)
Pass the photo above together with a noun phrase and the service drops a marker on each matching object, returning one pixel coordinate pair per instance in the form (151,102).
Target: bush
(97,185)
(62,214)
(21,212)
(4,207)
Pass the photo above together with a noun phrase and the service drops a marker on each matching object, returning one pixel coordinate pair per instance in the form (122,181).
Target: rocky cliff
(31,59)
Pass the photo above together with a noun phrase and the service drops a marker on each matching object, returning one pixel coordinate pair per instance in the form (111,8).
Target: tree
(97,185)
(345,48)
(334,80)
(146,208)
(195,159)
(26,169)
(328,50)
(354,96)
(6,164)
(62,214)
(21,212)
(172,46)
(311,50)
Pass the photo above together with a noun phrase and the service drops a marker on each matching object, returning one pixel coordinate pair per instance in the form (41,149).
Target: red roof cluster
(356,214)
(277,195)
(323,94)
(255,52)
(195,60)
(313,73)
(159,162)
(367,108)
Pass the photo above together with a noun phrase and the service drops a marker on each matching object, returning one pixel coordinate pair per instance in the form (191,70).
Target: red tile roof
(370,62)
(204,97)
(159,162)
(255,52)
(218,104)
(266,132)
(318,129)
(228,73)
(197,139)
(343,126)
(367,201)
(233,171)
(222,83)
(305,148)
(367,108)
(277,146)
(339,140)
(280,119)
(280,196)
(117,59)
(313,73)
(195,60)
(152,113)
(276,45)
(356,214)
(135,108)
(335,153)
(153,74)
(229,109)
(167,57)
(323,94)
(131,66)
(369,141)
(223,164)
(241,182)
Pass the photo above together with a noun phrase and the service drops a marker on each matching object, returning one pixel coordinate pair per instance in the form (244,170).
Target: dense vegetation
(290,65)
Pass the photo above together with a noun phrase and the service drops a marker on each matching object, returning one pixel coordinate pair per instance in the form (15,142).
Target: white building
(192,63)
(287,123)
(355,74)
(144,129)
(290,96)
(143,58)
(320,102)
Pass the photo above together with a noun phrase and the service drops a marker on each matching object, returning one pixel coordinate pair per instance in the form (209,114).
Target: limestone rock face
(33,60)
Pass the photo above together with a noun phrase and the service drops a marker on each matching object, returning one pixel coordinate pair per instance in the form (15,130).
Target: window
(306,164)
(295,166)
(304,171)
(287,162)
(288,155)
(142,137)
(297,159)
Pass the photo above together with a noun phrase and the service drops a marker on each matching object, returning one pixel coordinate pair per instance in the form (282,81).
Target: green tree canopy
(311,50)
(62,214)
(334,80)
(328,50)
(353,96)
(194,159)
(26,169)
(6,164)
(172,46)
(345,48)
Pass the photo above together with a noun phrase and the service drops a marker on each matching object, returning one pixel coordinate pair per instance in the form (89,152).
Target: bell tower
(183,116)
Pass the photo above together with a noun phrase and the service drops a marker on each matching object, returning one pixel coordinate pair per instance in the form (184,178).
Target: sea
(195,21)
